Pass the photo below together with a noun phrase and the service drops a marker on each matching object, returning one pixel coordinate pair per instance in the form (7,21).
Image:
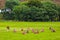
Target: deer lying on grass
(22,29)
(42,30)
(14,30)
(53,30)
(35,31)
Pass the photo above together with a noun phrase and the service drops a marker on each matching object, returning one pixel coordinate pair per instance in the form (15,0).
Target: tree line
(32,10)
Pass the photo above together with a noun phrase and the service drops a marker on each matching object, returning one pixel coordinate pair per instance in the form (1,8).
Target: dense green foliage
(33,10)
(11,3)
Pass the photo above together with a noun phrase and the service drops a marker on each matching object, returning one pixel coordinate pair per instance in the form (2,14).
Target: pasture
(46,35)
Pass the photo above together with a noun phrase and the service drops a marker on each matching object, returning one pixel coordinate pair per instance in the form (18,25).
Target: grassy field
(46,35)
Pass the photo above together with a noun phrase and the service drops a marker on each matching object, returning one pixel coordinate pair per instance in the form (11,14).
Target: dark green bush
(35,10)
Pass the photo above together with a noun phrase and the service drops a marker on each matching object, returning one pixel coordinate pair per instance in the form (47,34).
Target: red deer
(14,30)
(8,27)
(27,31)
(35,31)
(42,30)
(23,32)
(22,29)
(52,29)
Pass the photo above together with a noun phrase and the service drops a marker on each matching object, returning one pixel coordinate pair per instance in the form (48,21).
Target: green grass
(46,35)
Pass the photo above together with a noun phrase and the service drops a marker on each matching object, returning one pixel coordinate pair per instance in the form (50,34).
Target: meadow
(46,35)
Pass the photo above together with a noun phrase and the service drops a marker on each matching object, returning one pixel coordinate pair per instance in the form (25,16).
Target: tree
(8,16)
(22,12)
(34,10)
(58,8)
(52,11)
(36,3)
(11,3)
